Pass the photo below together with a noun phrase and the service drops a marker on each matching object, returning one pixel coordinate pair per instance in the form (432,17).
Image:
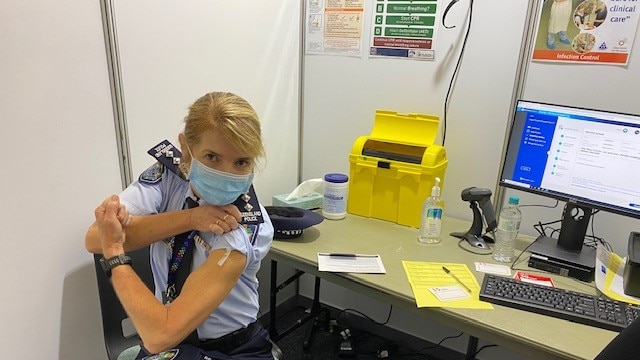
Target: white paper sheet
(355,263)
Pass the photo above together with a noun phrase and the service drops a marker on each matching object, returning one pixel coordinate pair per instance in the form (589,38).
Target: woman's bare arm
(144,230)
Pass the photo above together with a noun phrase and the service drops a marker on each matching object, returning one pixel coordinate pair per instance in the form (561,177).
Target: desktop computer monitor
(588,158)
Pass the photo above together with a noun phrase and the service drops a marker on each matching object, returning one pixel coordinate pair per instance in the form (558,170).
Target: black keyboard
(574,306)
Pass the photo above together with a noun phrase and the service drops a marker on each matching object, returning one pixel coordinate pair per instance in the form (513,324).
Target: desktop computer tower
(548,256)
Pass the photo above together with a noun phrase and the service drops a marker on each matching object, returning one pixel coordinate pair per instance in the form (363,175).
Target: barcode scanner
(474,236)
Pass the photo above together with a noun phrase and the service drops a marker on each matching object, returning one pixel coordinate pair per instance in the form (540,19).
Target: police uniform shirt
(166,191)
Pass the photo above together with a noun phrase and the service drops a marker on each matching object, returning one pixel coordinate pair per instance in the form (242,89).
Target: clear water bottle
(507,231)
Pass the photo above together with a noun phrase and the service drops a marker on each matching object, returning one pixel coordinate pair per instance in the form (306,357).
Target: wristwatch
(108,264)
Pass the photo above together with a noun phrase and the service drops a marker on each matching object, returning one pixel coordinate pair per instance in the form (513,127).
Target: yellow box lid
(411,129)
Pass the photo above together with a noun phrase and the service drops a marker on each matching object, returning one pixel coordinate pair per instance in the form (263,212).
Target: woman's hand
(216,219)
(111,217)
(123,215)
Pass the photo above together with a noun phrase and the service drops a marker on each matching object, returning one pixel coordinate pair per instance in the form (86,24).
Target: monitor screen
(583,156)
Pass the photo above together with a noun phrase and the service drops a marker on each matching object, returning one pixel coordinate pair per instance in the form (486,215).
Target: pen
(350,255)
(455,277)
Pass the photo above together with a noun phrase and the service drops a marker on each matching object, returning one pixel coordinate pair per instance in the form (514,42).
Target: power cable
(473,356)
(455,71)
(366,316)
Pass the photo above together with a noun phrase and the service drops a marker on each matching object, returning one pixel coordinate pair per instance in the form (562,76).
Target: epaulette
(168,155)
(252,215)
(248,205)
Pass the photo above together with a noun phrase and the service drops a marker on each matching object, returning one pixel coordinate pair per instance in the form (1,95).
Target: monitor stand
(548,256)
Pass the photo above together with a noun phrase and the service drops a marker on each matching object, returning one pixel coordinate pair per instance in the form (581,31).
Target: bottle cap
(336,178)
(435,190)
(514,200)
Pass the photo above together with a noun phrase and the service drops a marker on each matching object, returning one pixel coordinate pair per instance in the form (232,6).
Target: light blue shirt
(240,307)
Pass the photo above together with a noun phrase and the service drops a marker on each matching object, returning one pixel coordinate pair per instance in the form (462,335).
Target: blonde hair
(229,114)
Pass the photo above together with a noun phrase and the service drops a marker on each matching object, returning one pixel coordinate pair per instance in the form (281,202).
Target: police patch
(153,174)
(166,355)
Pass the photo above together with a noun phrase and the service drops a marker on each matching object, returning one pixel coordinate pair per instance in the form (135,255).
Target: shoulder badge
(152,175)
(168,155)
(252,231)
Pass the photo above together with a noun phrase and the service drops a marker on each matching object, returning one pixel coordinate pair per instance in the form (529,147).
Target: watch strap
(110,263)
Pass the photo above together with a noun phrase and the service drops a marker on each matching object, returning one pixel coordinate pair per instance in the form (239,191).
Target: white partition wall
(172,52)
(60,161)
(341,95)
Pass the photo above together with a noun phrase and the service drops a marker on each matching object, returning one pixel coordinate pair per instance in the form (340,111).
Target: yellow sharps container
(392,170)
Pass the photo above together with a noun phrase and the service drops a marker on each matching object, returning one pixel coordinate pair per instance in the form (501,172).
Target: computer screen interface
(583,156)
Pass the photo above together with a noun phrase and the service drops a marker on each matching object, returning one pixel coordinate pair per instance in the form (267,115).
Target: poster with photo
(586,31)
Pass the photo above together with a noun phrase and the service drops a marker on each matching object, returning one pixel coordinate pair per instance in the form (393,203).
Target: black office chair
(120,338)
(624,346)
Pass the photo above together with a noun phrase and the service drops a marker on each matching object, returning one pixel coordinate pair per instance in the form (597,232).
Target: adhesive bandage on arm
(224,257)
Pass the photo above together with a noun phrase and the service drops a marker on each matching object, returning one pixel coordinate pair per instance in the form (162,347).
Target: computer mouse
(476,241)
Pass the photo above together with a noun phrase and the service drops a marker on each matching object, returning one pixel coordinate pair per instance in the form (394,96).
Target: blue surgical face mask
(217,187)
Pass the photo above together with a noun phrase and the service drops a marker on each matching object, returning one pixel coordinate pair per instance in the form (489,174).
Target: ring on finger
(225,217)
(218,222)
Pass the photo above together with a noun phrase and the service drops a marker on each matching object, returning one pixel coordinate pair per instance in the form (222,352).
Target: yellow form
(437,284)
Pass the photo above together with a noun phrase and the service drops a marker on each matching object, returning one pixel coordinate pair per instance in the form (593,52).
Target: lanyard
(174,265)
(182,250)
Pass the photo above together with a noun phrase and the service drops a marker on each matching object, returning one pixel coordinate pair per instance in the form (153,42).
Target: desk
(537,336)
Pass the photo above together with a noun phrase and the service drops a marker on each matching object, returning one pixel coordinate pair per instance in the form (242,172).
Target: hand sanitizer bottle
(431,220)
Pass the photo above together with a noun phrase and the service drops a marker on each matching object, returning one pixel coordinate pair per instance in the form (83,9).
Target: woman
(558,21)
(601,14)
(215,312)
